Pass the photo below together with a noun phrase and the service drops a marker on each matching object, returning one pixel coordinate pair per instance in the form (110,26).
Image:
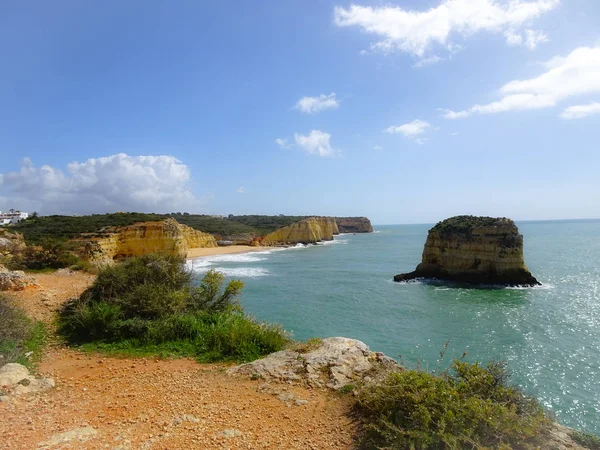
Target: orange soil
(160,404)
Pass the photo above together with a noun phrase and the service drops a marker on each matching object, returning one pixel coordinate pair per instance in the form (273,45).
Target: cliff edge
(167,236)
(354,225)
(306,231)
(478,250)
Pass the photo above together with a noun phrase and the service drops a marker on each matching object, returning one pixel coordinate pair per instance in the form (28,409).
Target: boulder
(335,363)
(15,280)
(15,379)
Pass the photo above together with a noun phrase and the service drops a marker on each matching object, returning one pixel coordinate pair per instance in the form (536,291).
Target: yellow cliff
(306,231)
(478,250)
(166,236)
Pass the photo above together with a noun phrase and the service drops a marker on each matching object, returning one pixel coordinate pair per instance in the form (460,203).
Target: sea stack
(477,250)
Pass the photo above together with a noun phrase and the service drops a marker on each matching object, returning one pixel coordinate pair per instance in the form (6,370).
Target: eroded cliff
(166,236)
(306,231)
(478,250)
(354,225)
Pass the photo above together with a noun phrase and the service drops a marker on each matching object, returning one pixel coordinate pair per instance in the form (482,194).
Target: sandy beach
(199,252)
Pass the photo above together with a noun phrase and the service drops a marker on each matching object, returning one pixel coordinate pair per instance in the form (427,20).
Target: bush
(149,305)
(469,406)
(586,440)
(19,335)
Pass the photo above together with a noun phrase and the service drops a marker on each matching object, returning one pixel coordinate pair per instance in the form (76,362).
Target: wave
(237,272)
(335,241)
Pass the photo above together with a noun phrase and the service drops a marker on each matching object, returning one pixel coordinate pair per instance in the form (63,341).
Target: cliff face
(479,250)
(306,231)
(167,236)
(354,225)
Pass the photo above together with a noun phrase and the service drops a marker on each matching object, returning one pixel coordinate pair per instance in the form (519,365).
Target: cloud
(416,32)
(430,60)
(311,105)
(576,75)
(316,143)
(241,190)
(283,143)
(413,130)
(377,148)
(581,111)
(113,183)
(530,38)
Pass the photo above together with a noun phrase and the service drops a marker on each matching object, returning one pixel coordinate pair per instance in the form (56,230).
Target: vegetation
(39,229)
(586,440)
(19,336)
(266,224)
(467,406)
(50,255)
(214,225)
(465,224)
(149,305)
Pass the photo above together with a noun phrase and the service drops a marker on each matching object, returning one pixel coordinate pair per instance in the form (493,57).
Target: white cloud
(316,143)
(413,130)
(530,38)
(581,111)
(241,190)
(311,105)
(430,60)
(416,32)
(576,75)
(113,183)
(283,143)
(377,148)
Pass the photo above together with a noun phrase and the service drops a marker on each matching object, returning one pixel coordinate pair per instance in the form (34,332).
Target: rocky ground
(112,403)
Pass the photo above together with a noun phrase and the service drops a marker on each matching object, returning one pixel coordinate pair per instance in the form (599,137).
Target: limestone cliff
(306,231)
(166,236)
(479,250)
(354,225)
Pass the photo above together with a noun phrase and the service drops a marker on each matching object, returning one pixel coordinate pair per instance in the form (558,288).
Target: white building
(12,217)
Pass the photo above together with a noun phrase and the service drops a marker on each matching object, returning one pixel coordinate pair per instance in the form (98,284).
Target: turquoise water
(550,335)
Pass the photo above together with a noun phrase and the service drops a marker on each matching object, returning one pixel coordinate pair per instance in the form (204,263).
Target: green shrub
(19,335)
(148,305)
(469,406)
(586,440)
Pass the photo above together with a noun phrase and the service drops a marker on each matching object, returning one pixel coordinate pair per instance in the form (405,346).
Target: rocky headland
(306,231)
(476,250)
(167,236)
(354,225)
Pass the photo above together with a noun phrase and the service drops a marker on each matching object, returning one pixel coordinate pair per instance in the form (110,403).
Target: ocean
(549,335)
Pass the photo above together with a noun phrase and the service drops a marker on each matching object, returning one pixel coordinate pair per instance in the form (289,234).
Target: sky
(404,111)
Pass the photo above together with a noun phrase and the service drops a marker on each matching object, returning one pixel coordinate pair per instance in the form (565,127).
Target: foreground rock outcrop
(478,250)
(354,225)
(15,280)
(306,231)
(166,236)
(334,363)
(15,379)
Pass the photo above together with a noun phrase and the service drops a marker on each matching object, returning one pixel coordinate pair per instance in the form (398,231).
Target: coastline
(233,249)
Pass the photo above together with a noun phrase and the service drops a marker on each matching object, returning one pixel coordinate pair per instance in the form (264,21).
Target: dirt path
(102,402)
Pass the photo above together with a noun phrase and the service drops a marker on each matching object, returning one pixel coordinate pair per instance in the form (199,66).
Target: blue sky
(405,111)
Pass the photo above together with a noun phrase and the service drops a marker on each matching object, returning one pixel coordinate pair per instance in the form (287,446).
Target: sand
(199,252)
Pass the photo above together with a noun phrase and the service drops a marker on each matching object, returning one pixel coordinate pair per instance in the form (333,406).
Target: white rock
(338,361)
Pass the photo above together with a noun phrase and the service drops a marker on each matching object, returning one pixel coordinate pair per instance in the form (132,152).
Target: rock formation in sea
(354,225)
(166,236)
(477,250)
(306,231)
